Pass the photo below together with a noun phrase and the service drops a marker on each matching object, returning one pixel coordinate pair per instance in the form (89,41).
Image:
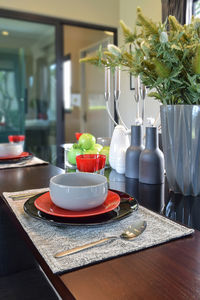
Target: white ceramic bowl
(78,191)
(9,149)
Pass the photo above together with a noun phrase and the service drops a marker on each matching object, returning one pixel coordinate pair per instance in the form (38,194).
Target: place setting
(12,154)
(117,205)
(78,221)
(81,198)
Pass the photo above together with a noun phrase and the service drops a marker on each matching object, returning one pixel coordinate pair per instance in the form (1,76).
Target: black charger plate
(16,160)
(126,207)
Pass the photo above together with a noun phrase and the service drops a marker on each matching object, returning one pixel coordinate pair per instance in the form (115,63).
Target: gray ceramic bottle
(151,163)
(133,153)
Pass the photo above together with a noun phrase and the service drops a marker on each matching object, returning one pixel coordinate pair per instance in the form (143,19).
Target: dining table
(170,270)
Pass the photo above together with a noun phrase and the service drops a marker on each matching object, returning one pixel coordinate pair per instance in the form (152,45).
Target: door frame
(59,25)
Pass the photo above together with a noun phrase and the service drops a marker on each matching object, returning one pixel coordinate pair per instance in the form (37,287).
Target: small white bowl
(78,191)
(10,150)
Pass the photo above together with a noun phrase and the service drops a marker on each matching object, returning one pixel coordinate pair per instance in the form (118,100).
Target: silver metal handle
(81,248)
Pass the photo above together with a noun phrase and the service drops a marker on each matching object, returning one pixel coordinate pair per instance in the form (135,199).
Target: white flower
(163,37)
(114,50)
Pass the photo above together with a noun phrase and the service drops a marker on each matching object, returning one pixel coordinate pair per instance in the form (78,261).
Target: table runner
(51,239)
(24,163)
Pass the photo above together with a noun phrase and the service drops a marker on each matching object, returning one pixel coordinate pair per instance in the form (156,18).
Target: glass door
(28,85)
(85,107)
(12,92)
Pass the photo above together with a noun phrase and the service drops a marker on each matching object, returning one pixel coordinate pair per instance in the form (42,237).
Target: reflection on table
(184,209)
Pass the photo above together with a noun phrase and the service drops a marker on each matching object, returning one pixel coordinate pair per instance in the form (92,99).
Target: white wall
(151,9)
(103,12)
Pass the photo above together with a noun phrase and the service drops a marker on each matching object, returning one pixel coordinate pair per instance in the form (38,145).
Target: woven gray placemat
(25,163)
(51,239)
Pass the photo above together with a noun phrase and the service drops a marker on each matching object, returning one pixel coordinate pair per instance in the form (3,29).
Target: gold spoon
(130,233)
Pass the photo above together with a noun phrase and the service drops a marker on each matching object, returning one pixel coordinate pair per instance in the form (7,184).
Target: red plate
(22,155)
(45,204)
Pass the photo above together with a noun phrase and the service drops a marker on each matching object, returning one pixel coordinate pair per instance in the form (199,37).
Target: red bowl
(16,138)
(90,162)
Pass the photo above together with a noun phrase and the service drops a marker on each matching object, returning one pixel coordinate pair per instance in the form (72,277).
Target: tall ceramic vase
(133,153)
(181,147)
(151,162)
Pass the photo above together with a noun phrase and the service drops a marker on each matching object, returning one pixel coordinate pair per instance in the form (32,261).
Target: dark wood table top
(168,271)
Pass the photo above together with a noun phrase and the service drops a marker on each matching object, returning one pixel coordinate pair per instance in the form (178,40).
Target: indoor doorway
(85,108)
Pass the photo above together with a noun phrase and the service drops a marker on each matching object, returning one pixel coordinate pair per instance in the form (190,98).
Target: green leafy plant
(166,56)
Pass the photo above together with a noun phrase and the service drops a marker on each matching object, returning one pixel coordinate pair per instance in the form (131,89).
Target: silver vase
(181,147)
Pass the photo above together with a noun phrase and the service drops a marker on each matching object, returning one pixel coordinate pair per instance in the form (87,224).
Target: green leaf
(167,60)
(155,95)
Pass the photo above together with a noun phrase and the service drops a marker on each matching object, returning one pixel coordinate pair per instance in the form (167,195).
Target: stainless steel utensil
(143,95)
(137,95)
(23,162)
(22,196)
(130,233)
